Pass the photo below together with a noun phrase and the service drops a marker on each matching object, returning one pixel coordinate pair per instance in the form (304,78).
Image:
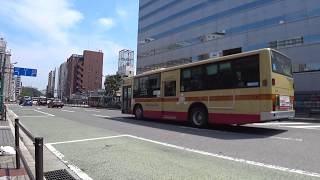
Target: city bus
(248,87)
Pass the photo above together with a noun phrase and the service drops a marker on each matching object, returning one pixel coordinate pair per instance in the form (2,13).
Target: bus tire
(198,117)
(138,112)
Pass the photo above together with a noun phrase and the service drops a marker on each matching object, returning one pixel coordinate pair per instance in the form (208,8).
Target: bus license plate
(285,101)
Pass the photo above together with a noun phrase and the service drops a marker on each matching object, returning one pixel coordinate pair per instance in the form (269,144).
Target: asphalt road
(105,144)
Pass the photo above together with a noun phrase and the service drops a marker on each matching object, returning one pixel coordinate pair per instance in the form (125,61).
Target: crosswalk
(295,125)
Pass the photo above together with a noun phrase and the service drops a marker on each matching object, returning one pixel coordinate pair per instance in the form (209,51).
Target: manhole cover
(58,174)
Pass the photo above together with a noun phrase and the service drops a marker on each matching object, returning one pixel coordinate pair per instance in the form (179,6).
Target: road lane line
(92,110)
(281,123)
(74,168)
(297,171)
(66,110)
(44,113)
(304,127)
(269,166)
(285,138)
(98,115)
(90,139)
(31,116)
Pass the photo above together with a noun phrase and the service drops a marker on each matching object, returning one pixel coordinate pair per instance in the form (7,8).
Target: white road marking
(90,139)
(74,168)
(285,138)
(66,110)
(281,123)
(75,107)
(304,127)
(39,108)
(269,166)
(31,116)
(44,113)
(297,171)
(91,110)
(98,115)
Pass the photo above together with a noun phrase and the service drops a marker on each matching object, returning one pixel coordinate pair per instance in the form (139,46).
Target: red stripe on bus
(214,118)
(222,118)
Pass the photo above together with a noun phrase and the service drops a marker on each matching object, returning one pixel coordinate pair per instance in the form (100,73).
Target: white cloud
(51,27)
(106,23)
(121,12)
(50,18)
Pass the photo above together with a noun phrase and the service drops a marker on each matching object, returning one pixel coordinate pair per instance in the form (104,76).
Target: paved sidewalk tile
(7,162)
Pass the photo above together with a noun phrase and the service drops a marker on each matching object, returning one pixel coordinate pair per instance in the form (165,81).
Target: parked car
(55,103)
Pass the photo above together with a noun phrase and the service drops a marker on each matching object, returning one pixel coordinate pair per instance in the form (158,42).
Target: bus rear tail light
(273,82)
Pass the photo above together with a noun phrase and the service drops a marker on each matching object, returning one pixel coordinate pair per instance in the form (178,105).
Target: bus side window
(170,88)
(212,77)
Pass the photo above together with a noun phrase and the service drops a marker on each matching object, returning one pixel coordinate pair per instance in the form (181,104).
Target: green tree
(30,91)
(112,84)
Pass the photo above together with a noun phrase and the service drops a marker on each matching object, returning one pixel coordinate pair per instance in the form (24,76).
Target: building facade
(51,84)
(17,84)
(126,63)
(6,69)
(175,32)
(81,74)
(62,80)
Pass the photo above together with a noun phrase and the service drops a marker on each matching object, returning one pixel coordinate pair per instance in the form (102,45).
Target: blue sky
(43,34)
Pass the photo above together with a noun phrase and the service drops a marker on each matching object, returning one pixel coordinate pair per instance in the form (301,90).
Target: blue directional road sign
(18,71)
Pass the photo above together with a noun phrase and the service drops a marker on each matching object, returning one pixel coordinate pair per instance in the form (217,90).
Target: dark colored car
(27,103)
(55,103)
(42,101)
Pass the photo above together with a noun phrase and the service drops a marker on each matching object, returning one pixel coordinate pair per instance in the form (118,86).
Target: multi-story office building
(62,80)
(17,87)
(51,84)
(6,69)
(81,73)
(172,32)
(125,63)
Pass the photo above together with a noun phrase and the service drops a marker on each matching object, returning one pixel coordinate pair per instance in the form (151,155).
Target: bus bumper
(274,115)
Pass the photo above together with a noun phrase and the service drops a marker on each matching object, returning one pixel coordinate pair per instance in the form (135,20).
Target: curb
(304,119)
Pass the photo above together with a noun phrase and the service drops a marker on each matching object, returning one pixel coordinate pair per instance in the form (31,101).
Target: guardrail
(38,144)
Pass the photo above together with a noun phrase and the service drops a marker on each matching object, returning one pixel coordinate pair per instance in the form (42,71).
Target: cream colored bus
(250,87)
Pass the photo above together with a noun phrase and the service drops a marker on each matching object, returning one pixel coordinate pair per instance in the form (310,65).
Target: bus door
(126,99)
(169,102)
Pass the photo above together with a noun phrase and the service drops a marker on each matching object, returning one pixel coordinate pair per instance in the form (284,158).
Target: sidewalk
(7,162)
(51,163)
(306,118)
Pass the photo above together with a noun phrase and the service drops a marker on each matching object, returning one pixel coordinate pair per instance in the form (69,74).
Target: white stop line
(269,166)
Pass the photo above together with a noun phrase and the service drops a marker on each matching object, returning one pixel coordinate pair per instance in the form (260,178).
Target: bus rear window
(281,64)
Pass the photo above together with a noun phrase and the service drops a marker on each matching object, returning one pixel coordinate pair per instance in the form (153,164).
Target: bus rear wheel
(138,113)
(198,117)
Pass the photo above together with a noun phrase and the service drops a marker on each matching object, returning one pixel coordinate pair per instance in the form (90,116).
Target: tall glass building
(174,32)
